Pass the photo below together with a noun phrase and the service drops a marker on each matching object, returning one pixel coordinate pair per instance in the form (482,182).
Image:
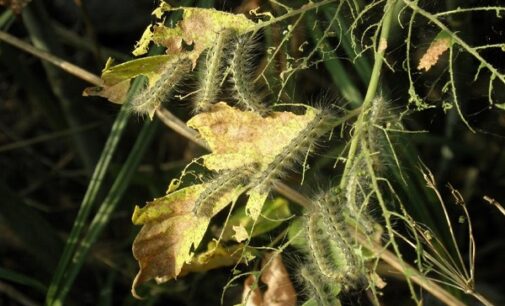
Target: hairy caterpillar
(318,287)
(355,190)
(152,97)
(331,210)
(320,248)
(242,75)
(219,186)
(211,72)
(294,151)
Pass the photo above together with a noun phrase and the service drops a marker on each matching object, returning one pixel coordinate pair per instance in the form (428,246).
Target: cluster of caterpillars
(231,54)
(332,260)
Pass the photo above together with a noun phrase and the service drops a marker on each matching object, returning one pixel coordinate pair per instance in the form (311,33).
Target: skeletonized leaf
(199,27)
(257,198)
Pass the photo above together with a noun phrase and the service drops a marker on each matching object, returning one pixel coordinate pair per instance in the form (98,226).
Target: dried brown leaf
(251,295)
(280,290)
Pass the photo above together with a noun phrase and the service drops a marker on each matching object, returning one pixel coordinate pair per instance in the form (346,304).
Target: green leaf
(274,213)
(117,77)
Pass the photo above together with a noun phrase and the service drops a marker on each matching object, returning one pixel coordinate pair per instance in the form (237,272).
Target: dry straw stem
(178,126)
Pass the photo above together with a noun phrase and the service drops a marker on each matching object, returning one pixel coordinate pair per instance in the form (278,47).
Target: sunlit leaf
(170,232)
(274,213)
(238,138)
(217,256)
(199,27)
(117,78)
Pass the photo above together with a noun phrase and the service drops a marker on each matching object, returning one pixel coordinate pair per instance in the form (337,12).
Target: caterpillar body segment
(318,288)
(320,248)
(211,72)
(242,75)
(331,208)
(152,97)
(358,213)
(219,186)
(295,151)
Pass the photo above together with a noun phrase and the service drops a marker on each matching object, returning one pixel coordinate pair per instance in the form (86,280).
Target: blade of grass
(6,19)
(91,192)
(21,279)
(37,234)
(39,27)
(360,61)
(334,66)
(108,206)
(14,296)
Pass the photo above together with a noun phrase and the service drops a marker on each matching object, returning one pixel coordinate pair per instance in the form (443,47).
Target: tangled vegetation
(298,197)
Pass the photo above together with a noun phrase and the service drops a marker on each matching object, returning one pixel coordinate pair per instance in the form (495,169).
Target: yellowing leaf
(240,233)
(117,78)
(272,215)
(142,45)
(199,27)
(217,256)
(170,232)
(255,203)
(238,138)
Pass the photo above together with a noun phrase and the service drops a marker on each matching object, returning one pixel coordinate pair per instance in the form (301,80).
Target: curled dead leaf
(251,295)
(280,291)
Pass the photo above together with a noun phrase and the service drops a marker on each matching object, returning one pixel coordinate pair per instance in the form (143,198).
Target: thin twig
(15,295)
(178,126)
(62,64)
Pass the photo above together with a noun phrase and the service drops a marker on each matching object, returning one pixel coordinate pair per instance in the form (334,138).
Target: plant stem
(107,207)
(381,47)
(48,57)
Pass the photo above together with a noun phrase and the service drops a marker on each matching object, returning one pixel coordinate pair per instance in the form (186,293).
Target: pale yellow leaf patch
(237,138)
(199,28)
(240,233)
(217,256)
(255,203)
(170,232)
